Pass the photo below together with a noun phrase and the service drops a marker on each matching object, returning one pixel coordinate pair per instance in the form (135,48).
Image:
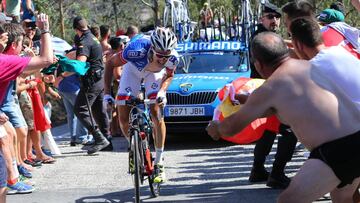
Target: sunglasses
(271,16)
(161,55)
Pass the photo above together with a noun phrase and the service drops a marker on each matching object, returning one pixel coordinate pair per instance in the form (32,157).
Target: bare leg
(345,194)
(35,137)
(159,127)
(22,134)
(123,112)
(3,195)
(313,180)
(29,145)
(5,142)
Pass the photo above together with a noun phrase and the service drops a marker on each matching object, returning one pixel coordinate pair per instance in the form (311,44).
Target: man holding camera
(90,98)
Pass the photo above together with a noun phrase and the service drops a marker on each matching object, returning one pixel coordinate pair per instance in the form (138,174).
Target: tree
(155,8)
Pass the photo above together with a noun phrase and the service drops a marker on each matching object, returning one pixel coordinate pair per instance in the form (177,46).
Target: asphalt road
(198,170)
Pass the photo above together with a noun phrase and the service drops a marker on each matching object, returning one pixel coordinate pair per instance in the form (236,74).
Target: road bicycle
(141,160)
(176,15)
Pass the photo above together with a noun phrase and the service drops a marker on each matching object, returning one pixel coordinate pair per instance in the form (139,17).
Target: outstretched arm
(46,53)
(257,105)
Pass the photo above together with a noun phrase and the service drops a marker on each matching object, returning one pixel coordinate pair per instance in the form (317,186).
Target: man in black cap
(270,21)
(88,49)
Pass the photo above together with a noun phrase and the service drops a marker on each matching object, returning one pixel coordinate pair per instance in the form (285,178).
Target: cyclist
(153,58)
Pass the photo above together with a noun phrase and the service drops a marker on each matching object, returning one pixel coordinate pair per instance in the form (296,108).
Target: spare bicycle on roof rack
(213,54)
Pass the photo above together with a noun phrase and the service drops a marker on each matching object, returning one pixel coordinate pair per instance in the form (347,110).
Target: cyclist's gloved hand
(108,99)
(172,62)
(161,98)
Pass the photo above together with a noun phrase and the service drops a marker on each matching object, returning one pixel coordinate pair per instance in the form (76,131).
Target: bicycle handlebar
(134,101)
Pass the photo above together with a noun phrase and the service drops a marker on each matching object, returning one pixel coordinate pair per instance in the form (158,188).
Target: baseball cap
(4,18)
(331,15)
(271,8)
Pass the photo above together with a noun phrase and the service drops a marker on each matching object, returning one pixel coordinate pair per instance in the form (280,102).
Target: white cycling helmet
(163,39)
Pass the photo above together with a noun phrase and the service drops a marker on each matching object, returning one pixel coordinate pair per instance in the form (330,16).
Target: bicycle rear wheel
(137,160)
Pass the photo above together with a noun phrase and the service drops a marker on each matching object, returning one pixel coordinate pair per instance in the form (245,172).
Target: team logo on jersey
(137,53)
(154,85)
(185,87)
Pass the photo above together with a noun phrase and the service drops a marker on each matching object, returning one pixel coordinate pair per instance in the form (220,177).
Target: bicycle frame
(180,22)
(140,131)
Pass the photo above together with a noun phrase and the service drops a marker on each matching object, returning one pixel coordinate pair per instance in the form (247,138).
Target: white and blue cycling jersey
(136,52)
(135,58)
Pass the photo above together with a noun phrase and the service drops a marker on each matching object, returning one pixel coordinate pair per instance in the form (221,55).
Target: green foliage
(100,12)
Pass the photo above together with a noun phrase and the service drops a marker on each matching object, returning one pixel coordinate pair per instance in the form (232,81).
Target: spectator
(30,30)
(270,21)
(131,31)
(206,15)
(294,90)
(105,33)
(10,106)
(28,8)
(120,32)
(95,30)
(90,98)
(328,16)
(339,6)
(13,9)
(117,44)
(68,85)
(3,174)
(14,185)
(16,33)
(334,34)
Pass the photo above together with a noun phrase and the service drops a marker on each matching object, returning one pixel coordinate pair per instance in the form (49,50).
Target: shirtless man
(105,33)
(336,62)
(323,118)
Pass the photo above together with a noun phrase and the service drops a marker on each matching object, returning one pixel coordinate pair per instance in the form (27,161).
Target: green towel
(68,65)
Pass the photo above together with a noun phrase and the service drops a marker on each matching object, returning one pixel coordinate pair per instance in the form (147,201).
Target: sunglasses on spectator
(159,55)
(271,16)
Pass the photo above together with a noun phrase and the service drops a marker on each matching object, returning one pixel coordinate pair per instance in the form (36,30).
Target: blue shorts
(3,176)
(13,111)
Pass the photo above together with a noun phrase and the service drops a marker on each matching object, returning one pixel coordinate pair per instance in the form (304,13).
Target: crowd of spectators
(27,82)
(22,114)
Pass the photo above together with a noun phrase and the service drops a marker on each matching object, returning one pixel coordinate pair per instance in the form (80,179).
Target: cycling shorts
(130,83)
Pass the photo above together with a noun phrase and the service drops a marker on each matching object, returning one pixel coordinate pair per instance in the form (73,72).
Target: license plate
(186,111)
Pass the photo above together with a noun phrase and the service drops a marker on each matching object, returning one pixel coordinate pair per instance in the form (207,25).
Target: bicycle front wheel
(137,160)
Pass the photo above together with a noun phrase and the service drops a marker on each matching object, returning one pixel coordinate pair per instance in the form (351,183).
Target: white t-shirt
(342,68)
